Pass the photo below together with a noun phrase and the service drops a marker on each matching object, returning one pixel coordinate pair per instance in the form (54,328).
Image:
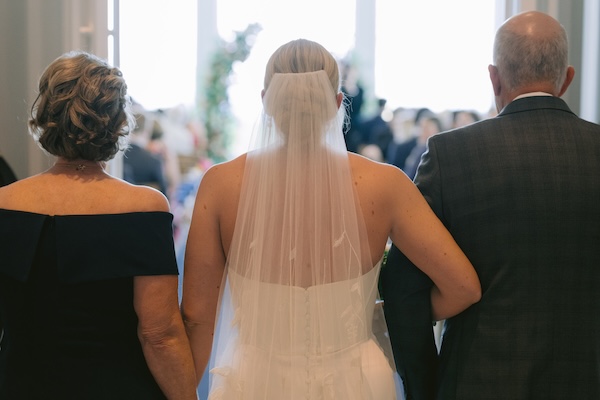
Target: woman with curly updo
(88,277)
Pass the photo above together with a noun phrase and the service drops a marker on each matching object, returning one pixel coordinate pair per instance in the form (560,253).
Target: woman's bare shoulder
(373,170)
(219,191)
(378,183)
(56,194)
(21,192)
(143,198)
(225,173)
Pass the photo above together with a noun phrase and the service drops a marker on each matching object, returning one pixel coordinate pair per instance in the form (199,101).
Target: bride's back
(377,187)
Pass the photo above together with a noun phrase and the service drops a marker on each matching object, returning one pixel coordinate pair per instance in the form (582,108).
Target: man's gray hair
(522,59)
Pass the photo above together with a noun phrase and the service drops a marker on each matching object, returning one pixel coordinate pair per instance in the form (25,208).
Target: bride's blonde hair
(302,55)
(297,100)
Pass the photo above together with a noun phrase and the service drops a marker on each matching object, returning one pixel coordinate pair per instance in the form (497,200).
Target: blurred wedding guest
(169,158)
(88,277)
(372,151)
(402,123)
(376,130)
(429,125)
(286,244)
(402,149)
(140,165)
(177,125)
(353,103)
(462,118)
(520,193)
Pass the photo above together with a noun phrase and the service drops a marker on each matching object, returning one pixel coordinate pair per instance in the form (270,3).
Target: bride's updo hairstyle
(303,55)
(82,110)
(297,94)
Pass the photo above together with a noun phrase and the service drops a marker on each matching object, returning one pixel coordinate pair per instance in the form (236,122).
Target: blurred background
(197,65)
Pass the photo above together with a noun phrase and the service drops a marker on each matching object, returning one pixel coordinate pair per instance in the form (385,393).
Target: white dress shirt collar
(532,94)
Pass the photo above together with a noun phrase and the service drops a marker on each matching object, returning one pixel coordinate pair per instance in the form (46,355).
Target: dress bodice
(316,320)
(290,342)
(66,302)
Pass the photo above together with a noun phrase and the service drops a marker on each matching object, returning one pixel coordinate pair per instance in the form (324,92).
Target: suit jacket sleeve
(428,179)
(407,305)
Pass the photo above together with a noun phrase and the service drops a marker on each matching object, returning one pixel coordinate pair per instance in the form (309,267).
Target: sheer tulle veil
(298,226)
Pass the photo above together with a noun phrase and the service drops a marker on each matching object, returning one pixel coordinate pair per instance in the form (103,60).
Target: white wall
(590,62)
(13,85)
(32,34)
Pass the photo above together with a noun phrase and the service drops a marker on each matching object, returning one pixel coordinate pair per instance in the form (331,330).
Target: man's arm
(406,292)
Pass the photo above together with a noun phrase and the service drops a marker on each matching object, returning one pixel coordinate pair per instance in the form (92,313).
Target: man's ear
(262,93)
(568,79)
(339,98)
(495,79)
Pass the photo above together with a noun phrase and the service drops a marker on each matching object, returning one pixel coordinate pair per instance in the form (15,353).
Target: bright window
(428,53)
(435,53)
(329,22)
(158,51)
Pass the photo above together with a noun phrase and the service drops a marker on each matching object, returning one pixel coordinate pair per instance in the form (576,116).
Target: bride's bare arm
(421,236)
(204,265)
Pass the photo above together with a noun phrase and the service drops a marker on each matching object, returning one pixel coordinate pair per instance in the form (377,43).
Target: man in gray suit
(520,193)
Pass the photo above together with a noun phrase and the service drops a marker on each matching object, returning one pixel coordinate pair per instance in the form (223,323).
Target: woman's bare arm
(204,266)
(162,335)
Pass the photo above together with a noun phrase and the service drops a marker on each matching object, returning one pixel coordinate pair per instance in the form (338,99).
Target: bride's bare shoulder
(365,168)
(225,173)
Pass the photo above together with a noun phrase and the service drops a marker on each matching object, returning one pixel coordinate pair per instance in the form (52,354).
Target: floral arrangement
(215,110)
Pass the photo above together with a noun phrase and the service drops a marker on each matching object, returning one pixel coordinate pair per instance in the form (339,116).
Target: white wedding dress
(358,366)
(297,316)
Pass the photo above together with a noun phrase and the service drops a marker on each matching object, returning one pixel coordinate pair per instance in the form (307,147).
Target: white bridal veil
(299,271)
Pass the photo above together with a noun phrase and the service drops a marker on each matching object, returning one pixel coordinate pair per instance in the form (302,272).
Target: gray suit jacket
(520,193)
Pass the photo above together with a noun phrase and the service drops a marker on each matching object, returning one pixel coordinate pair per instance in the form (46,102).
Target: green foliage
(217,115)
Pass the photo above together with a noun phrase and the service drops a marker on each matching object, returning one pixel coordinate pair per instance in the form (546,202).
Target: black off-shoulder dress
(66,299)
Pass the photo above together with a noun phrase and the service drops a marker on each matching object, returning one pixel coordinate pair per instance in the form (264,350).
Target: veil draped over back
(293,296)
(298,223)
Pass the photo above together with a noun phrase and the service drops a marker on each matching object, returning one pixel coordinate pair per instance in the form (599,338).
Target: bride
(285,247)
